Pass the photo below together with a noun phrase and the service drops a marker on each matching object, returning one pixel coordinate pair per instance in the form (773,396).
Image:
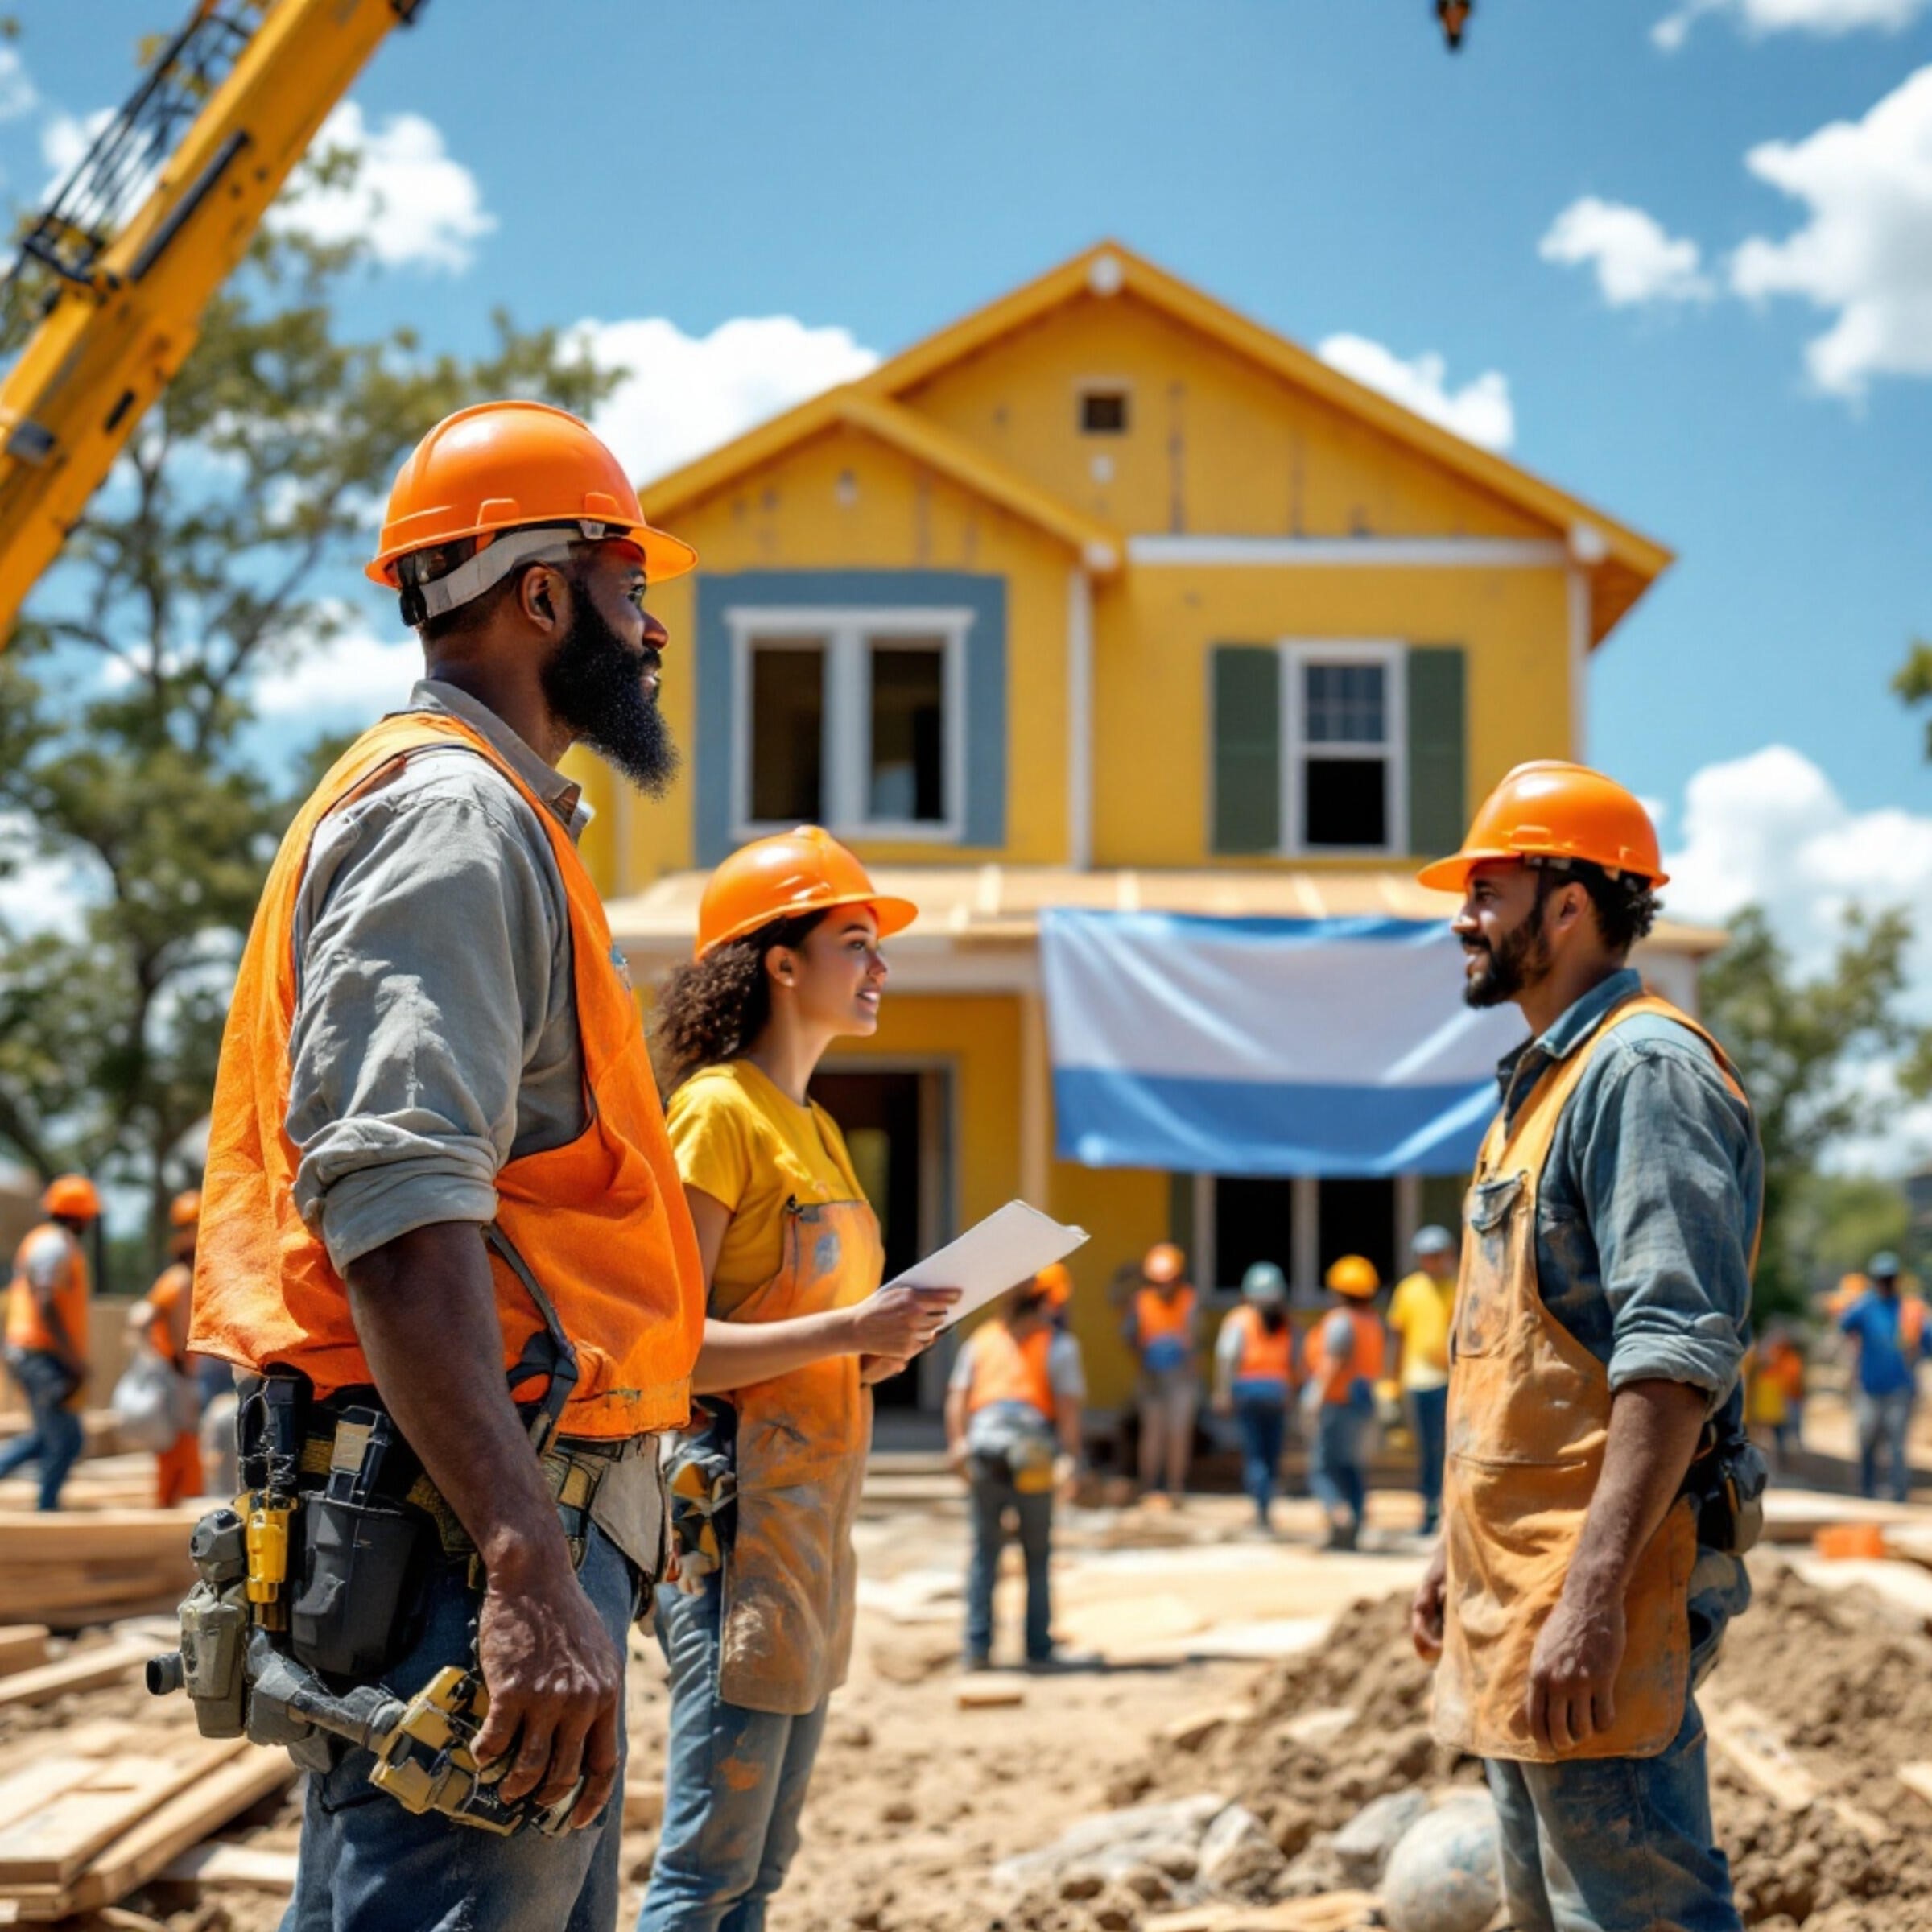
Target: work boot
(975,1660)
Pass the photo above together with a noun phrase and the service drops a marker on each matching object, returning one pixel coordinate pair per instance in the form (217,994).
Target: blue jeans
(56,1439)
(1429,1407)
(367,1865)
(1623,1844)
(993,1494)
(734,1783)
(1334,1473)
(1260,1411)
(1884,1421)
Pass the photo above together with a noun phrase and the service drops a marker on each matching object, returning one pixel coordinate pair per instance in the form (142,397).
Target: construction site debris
(73,1568)
(79,1670)
(22,1647)
(1364,1845)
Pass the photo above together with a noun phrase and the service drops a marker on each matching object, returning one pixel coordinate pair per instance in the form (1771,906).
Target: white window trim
(845,636)
(1298,653)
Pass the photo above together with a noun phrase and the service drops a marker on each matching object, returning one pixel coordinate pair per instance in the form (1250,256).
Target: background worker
(1889,1327)
(1419,1315)
(47,1333)
(433,1063)
(1013,1426)
(1162,1329)
(1253,1373)
(160,1321)
(1601,1317)
(757,1630)
(1345,1354)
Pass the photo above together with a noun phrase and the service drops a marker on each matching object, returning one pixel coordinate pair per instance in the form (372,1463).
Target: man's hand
(1573,1669)
(900,1321)
(1426,1607)
(555,1683)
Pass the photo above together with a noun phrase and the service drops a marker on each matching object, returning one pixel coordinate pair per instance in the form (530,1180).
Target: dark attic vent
(1103,412)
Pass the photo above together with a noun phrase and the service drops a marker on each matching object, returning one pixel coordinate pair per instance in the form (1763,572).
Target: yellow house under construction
(1104,596)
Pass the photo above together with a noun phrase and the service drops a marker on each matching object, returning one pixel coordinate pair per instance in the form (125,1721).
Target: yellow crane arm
(124,298)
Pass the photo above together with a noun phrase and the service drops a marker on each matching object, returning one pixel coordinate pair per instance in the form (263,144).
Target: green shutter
(1180,1214)
(1247,748)
(1438,812)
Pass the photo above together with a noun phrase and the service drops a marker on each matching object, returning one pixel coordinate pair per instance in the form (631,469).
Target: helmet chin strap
(549,544)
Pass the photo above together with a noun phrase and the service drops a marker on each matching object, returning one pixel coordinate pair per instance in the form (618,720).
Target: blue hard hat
(1265,1282)
(1883,1265)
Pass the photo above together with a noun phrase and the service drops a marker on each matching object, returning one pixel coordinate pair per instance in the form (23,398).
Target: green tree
(1837,1222)
(1800,1044)
(127,697)
(1912,682)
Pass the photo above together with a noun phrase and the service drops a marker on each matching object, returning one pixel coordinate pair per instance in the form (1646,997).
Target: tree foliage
(1802,1046)
(1912,683)
(130,754)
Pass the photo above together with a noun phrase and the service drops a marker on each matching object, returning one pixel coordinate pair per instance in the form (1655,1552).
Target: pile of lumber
(71,1568)
(89,1814)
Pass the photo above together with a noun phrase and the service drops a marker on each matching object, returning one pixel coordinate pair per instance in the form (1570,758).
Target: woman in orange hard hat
(1345,1354)
(1162,1328)
(764,1484)
(160,1321)
(1600,1492)
(47,1333)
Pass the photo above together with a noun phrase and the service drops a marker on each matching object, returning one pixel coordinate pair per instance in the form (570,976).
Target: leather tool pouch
(1727,1484)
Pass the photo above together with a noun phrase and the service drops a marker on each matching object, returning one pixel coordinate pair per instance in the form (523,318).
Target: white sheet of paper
(1000,1252)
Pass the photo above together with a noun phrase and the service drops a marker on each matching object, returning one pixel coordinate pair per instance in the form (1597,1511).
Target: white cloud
(38,894)
(1636,259)
(683,395)
(1866,250)
(1760,17)
(349,679)
(1480,411)
(65,138)
(17,94)
(411,203)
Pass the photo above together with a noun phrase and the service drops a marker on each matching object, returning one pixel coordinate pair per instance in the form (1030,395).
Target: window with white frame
(854,720)
(1344,733)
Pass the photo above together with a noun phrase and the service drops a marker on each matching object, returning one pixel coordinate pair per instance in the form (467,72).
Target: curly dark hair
(1626,906)
(711,1010)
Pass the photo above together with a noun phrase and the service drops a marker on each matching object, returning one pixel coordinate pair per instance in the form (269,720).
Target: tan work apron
(790,1578)
(1529,1419)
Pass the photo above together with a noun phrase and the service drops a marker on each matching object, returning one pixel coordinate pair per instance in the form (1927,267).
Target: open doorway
(895,1121)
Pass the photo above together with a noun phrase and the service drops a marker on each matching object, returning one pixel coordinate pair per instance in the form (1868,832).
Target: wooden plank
(221,1865)
(1752,1746)
(991,1694)
(22,1647)
(133,1858)
(1326,1912)
(1916,1778)
(83,1670)
(41,1780)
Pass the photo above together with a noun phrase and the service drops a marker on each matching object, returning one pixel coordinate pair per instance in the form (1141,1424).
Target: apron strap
(548,1352)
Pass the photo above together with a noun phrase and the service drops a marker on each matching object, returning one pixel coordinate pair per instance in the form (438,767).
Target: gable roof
(1622,562)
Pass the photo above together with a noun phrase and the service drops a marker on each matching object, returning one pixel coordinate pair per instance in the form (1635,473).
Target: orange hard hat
(499,467)
(1551,809)
(1164,1262)
(71,1197)
(184,1210)
(1353,1274)
(1053,1285)
(780,878)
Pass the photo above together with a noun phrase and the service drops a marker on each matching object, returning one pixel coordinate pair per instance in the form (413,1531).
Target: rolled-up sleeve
(1670,1175)
(424,976)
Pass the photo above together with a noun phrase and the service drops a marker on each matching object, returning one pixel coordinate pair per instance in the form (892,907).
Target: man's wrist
(1596,1579)
(517,1556)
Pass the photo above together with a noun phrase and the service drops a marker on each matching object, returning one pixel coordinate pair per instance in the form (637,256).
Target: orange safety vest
(170,1299)
(600,1223)
(1365,1360)
(1911,1327)
(1004,1370)
(1529,1421)
(1156,1319)
(1264,1357)
(27,1326)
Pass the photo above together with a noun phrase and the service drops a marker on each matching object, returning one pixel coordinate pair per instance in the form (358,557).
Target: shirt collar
(1573,1025)
(563,795)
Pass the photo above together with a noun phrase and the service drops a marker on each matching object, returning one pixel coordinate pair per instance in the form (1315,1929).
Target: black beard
(595,684)
(1519,963)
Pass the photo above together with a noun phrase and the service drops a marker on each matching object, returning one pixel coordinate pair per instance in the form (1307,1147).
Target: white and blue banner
(1335,1048)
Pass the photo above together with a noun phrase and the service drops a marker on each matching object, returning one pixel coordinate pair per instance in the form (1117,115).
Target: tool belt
(316,1583)
(1726,1484)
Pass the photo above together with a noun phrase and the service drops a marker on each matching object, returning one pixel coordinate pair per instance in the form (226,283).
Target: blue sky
(1325,166)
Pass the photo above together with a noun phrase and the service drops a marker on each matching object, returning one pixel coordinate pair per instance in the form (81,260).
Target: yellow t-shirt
(744,1143)
(1420,1313)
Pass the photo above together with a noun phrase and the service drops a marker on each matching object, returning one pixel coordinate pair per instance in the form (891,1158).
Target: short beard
(1522,960)
(595,684)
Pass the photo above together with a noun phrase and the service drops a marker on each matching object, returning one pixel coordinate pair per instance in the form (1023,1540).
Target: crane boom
(124,297)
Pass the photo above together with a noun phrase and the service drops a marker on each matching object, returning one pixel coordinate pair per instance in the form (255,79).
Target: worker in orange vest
(1253,1376)
(442,1231)
(160,1321)
(1601,1489)
(758,1629)
(1013,1426)
(1161,1330)
(1889,1324)
(47,1333)
(1346,1351)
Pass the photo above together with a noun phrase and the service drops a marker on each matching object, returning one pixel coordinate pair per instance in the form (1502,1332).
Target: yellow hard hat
(1353,1275)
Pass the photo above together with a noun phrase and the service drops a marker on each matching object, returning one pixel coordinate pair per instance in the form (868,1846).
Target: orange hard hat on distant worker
(1552,810)
(184,1210)
(1053,1285)
(1354,1275)
(784,877)
(1164,1263)
(501,468)
(71,1197)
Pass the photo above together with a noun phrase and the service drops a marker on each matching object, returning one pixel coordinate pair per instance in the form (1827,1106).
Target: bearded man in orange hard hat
(1600,1491)
(47,1333)
(441,1228)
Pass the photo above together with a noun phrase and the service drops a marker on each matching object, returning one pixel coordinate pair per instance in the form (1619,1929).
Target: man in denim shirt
(1601,1322)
